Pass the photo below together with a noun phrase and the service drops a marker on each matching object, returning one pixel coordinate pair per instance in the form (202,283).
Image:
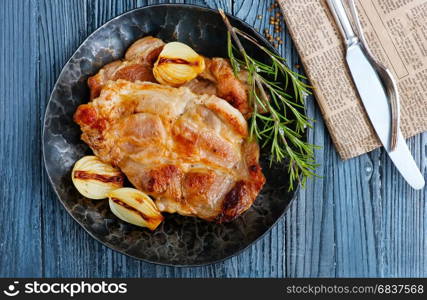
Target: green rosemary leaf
(278,119)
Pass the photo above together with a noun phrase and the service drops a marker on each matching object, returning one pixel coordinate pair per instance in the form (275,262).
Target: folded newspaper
(396,31)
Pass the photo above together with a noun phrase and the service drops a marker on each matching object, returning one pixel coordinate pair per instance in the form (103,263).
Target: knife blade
(374,98)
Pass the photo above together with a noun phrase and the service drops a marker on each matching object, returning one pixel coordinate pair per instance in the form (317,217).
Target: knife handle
(343,22)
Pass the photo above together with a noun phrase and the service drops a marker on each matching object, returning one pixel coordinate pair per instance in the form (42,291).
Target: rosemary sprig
(278,120)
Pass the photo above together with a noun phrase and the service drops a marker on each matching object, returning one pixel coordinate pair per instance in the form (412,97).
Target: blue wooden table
(359,219)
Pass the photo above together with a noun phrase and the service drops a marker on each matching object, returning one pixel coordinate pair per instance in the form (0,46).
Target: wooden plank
(20,142)
(361,219)
(66,250)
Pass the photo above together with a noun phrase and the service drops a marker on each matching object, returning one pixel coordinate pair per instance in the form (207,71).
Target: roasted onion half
(95,179)
(178,64)
(135,207)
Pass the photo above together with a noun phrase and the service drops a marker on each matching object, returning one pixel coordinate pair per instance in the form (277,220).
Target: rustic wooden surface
(360,219)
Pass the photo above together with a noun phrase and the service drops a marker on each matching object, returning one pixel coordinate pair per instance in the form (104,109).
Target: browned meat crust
(190,152)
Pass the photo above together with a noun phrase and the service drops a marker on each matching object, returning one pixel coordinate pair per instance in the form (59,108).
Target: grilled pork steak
(189,151)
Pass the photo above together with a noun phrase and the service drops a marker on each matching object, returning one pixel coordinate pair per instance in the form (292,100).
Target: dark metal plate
(179,241)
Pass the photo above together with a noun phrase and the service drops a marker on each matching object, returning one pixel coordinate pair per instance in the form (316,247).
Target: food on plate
(216,78)
(134,207)
(174,122)
(190,152)
(178,64)
(94,179)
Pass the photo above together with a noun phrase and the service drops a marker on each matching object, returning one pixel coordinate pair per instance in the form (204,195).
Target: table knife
(374,97)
